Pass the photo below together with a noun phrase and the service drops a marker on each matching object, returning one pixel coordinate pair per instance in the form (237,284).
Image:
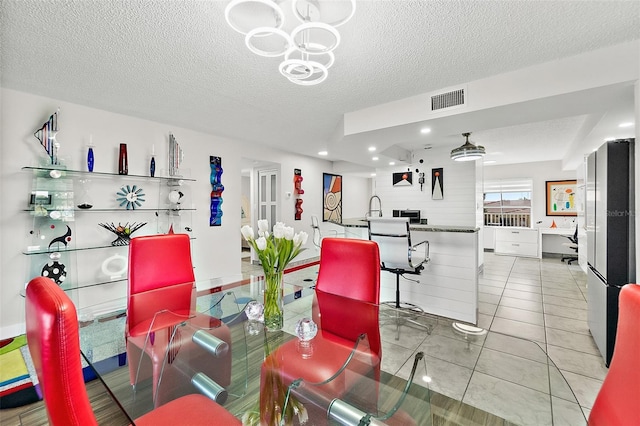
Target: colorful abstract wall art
(176,155)
(298,191)
(403,179)
(332,198)
(216,190)
(561,198)
(437,185)
(47,137)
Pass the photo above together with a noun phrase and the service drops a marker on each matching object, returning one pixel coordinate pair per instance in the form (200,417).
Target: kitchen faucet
(379,210)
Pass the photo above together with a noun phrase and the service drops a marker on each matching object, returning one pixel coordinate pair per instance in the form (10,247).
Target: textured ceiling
(178,62)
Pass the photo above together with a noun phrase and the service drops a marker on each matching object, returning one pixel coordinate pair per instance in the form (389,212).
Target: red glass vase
(123,162)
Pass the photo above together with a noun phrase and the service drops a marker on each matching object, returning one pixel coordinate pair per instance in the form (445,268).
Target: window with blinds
(507,202)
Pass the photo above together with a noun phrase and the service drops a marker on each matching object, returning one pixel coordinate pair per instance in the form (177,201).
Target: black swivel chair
(573,245)
(399,256)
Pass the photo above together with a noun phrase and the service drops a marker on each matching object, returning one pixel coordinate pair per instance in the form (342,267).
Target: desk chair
(54,343)
(573,245)
(318,235)
(617,400)
(399,256)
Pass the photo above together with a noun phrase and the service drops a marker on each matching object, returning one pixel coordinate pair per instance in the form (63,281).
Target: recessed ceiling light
(372,148)
(373,174)
(323,153)
(627,124)
(426,379)
(392,163)
(374,158)
(425,130)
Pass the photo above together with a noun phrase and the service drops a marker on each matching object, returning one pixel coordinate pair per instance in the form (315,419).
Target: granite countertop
(360,222)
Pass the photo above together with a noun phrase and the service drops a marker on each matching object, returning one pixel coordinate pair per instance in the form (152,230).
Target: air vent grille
(447,100)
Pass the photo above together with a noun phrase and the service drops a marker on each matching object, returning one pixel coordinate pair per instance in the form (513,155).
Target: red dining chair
(617,400)
(54,344)
(349,268)
(345,306)
(161,279)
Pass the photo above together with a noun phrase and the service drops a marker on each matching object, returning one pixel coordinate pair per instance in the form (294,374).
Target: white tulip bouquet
(275,250)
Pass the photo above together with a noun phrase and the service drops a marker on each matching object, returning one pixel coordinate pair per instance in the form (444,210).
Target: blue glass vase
(152,167)
(90,159)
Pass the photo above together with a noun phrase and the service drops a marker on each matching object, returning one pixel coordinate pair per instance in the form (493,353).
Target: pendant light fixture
(303,31)
(468,151)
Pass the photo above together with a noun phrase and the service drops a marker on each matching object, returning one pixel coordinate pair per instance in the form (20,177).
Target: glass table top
(411,386)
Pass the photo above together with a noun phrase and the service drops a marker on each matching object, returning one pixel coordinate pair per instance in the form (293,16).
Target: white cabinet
(517,242)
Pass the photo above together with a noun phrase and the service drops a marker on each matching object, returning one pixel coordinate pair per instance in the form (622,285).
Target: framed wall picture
(403,179)
(437,184)
(561,198)
(332,198)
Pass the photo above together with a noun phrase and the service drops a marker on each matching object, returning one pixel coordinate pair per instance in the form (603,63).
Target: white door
(268,195)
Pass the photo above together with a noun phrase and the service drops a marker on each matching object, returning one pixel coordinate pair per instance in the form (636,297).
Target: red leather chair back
(350,268)
(160,276)
(54,343)
(617,400)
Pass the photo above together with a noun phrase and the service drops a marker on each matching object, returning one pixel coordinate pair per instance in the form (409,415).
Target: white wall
(540,172)
(216,250)
(457,208)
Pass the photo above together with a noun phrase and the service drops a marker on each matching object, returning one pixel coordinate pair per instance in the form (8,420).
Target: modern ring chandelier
(303,32)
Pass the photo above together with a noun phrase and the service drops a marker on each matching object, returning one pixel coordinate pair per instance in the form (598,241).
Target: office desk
(400,400)
(552,240)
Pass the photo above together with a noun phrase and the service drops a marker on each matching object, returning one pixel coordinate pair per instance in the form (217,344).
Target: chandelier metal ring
(309,47)
(330,57)
(277,13)
(319,70)
(303,18)
(295,69)
(267,31)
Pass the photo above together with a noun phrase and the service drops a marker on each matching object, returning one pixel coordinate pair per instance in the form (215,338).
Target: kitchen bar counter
(361,222)
(448,285)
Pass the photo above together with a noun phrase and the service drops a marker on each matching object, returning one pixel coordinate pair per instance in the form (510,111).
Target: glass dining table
(307,376)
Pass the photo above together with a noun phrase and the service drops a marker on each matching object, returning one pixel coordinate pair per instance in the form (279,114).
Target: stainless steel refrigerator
(610,227)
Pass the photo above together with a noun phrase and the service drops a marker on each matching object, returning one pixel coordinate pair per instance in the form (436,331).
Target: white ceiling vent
(447,100)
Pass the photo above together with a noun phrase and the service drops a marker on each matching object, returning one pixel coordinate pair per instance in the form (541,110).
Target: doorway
(259,198)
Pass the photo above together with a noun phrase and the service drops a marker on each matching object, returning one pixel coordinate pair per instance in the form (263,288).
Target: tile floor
(531,307)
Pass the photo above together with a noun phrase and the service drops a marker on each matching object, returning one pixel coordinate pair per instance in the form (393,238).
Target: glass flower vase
(273,300)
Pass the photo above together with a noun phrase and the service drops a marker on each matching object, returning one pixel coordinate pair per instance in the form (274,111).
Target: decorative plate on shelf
(130,197)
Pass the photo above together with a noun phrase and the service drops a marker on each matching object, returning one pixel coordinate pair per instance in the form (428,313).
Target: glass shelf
(86,174)
(74,287)
(47,251)
(118,210)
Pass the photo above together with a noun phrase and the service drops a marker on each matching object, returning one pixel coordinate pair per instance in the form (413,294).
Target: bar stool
(399,256)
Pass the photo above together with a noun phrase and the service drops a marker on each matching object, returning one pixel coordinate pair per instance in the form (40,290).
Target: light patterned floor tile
(514,369)
(570,340)
(522,315)
(521,304)
(524,295)
(519,329)
(567,324)
(578,362)
(513,402)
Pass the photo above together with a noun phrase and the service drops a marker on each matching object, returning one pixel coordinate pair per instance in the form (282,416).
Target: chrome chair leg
(404,313)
